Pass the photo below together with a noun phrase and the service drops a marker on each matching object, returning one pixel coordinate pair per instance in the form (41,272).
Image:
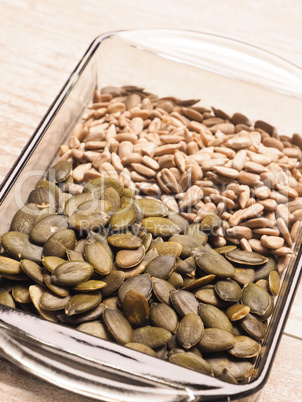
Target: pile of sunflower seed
(175,255)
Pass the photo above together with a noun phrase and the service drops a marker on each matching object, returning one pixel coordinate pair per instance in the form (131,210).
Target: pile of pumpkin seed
(128,270)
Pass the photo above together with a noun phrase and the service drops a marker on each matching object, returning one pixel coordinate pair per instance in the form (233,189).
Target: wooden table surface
(40,44)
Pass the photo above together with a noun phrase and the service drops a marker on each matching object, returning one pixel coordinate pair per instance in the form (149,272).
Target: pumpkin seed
(213,263)
(73,203)
(6,298)
(168,248)
(225,249)
(136,308)
(184,302)
(35,292)
(154,337)
(253,327)
(46,227)
(122,219)
(118,326)
(129,258)
(51,302)
(90,286)
(176,280)
(198,283)
(264,270)
(58,243)
(18,246)
(180,221)
(239,369)
(98,206)
(141,283)
(113,282)
(228,290)
(274,283)
(188,243)
(9,266)
(111,196)
(244,275)
(186,267)
(161,266)
(190,330)
(209,296)
(97,255)
(163,316)
(58,290)
(52,262)
(54,189)
(237,312)
(88,316)
(42,198)
(25,219)
(245,347)
(210,222)
(139,347)
(59,172)
(20,293)
(256,298)
(95,328)
(162,289)
(216,340)
(71,273)
(33,270)
(82,302)
(246,257)
(191,361)
(212,317)
(158,226)
(126,241)
(84,221)
(98,186)
(74,255)
(152,208)
(227,377)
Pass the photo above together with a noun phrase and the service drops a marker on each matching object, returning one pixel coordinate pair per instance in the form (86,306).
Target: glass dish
(227,74)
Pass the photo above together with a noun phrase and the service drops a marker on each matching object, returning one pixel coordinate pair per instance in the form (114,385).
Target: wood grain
(40,44)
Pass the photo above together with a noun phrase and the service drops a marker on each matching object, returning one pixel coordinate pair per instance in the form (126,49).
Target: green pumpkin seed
(188,243)
(122,219)
(256,298)
(54,189)
(139,347)
(225,249)
(246,257)
(136,308)
(113,282)
(210,222)
(192,362)
(126,241)
(72,273)
(263,283)
(98,186)
(244,275)
(25,219)
(274,283)
(88,316)
(161,266)
(18,246)
(95,328)
(184,302)
(20,293)
(263,271)
(112,302)
(33,270)
(129,258)
(146,240)
(6,298)
(245,347)
(176,280)
(152,207)
(98,256)
(195,231)
(9,266)
(168,248)
(73,203)
(158,226)
(253,327)
(209,296)
(97,206)
(237,312)
(212,317)
(141,283)
(35,292)
(111,196)
(186,267)
(90,286)
(226,376)
(67,184)
(46,227)
(118,326)
(213,263)
(52,262)
(180,221)
(51,302)
(154,337)
(269,310)
(42,198)
(58,290)
(74,255)
(162,289)
(85,221)
(82,302)
(190,330)
(59,172)
(58,243)
(163,316)
(100,239)
(198,283)
(216,340)
(239,369)
(228,290)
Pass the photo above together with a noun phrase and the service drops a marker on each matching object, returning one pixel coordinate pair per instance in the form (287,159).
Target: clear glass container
(227,74)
